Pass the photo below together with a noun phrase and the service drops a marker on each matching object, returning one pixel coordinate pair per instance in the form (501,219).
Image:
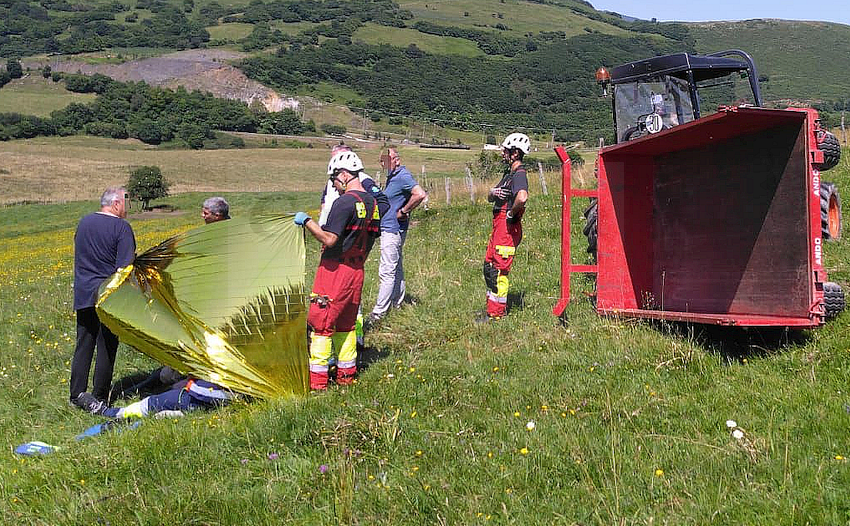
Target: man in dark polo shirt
(103,243)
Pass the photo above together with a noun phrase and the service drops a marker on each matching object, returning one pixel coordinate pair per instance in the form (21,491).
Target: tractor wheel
(830,211)
(591,215)
(833,299)
(831,148)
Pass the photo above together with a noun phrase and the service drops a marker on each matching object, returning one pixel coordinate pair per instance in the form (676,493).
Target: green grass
(521,17)
(629,417)
(35,95)
(231,31)
(403,37)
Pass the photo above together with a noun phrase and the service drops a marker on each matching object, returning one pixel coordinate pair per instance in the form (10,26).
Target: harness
(356,254)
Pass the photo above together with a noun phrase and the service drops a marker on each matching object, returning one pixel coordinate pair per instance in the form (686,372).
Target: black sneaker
(371,321)
(482,318)
(87,402)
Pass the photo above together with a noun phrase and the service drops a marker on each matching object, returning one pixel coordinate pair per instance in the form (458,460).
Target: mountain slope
(802,60)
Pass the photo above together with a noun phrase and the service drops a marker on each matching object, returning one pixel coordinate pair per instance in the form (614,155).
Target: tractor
(715,218)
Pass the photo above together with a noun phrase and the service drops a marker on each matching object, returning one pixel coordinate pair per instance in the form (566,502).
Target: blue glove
(301,218)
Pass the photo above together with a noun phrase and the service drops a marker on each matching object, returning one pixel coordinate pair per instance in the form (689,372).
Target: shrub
(13,67)
(333,129)
(146,184)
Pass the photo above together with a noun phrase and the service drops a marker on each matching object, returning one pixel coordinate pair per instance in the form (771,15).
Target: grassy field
(76,168)
(604,421)
(403,37)
(231,31)
(35,95)
(521,17)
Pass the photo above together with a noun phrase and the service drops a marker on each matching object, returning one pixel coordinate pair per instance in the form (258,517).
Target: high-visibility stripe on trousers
(333,317)
(498,260)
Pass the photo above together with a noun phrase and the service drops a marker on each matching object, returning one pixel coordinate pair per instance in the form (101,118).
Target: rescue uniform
(355,218)
(504,239)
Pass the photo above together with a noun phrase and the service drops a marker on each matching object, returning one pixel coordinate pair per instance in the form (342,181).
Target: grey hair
(341,147)
(112,194)
(218,206)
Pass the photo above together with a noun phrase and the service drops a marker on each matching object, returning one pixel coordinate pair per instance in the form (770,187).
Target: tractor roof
(704,67)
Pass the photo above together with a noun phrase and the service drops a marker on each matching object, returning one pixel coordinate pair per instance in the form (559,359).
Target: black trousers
(90,334)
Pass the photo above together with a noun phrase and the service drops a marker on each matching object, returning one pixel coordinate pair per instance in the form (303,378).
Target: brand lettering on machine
(818,255)
(816,183)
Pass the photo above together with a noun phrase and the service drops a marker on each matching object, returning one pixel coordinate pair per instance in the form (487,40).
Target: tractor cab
(663,92)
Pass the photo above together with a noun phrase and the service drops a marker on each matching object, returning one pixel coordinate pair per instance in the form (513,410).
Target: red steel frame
(627,245)
(567,193)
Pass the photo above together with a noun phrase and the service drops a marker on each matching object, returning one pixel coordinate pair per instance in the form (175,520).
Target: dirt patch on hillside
(201,69)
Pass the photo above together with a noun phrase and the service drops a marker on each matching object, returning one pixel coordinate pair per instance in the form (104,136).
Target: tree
(14,68)
(146,184)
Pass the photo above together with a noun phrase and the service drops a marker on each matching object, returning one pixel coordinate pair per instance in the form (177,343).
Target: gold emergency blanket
(224,302)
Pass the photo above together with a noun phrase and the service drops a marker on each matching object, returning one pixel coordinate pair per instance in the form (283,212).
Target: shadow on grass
(735,344)
(516,301)
(369,355)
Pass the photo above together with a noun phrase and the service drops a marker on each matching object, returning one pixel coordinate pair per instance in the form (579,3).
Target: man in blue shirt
(404,195)
(103,243)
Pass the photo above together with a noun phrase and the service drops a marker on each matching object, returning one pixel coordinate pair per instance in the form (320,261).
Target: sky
(702,10)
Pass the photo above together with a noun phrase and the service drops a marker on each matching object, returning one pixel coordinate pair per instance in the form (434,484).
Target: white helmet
(517,140)
(345,161)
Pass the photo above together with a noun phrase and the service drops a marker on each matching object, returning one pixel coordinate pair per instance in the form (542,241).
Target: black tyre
(831,148)
(830,211)
(833,299)
(591,215)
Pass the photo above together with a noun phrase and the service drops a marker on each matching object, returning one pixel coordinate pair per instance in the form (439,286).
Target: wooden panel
(730,226)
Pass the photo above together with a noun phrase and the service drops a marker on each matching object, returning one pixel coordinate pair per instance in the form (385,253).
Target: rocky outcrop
(204,70)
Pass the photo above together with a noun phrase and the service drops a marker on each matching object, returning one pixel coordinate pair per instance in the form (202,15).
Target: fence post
(448,192)
(426,187)
(542,178)
(470,184)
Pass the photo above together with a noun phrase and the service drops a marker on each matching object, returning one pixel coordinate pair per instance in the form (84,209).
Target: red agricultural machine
(716,219)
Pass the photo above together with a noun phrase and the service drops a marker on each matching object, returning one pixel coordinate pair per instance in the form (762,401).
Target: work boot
(482,318)
(345,375)
(318,381)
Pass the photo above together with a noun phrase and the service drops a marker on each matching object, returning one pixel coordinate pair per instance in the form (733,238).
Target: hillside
(474,65)
(802,60)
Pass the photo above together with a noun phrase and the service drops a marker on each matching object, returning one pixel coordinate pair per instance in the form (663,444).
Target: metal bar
(585,193)
(716,319)
(566,192)
(584,268)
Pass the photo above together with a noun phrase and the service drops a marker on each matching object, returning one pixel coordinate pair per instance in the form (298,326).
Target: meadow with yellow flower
(522,421)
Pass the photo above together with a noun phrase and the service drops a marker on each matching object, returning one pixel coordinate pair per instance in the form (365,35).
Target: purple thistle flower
(273,456)
(323,468)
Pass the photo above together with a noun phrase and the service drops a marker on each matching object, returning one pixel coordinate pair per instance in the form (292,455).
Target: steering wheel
(640,128)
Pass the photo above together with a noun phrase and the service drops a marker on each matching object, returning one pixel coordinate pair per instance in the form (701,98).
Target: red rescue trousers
(497,262)
(333,316)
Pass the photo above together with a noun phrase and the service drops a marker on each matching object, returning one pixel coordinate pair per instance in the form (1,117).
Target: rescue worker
(347,238)
(508,198)
(329,195)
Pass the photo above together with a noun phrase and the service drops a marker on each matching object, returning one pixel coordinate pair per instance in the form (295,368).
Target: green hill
(801,60)
(468,64)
